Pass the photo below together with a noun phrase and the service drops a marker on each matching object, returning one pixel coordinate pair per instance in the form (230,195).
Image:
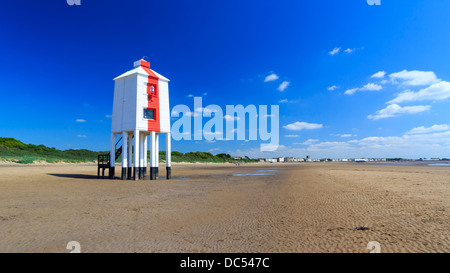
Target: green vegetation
(16,151)
(395,159)
(202,157)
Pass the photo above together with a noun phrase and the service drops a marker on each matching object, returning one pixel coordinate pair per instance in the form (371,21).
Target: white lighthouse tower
(140,111)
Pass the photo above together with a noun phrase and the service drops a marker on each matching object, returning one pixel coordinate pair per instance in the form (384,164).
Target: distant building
(360,160)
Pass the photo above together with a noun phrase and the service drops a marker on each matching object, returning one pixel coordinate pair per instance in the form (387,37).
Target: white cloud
(80,120)
(349,50)
(408,141)
(372,87)
(334,51)
(431,138)
(343,135)
(300,125)
(367,87)
(271,77)
(412,146)
(436,144)
(230,118)
(332,88)
(329,145)
(308,142)
(437,91)
(375,140)
(351,91)
(291,136)
(274,147)
(283,86)
(81,135)
(189,96)
(379,74)
(395,109)
(425,130)
(205,110)
(212,133)
(205,94)
(414,77)
(286,101)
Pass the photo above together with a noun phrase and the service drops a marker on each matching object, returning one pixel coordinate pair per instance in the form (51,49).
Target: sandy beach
(298,207)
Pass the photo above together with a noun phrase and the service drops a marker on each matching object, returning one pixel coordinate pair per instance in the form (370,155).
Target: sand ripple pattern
(301,208)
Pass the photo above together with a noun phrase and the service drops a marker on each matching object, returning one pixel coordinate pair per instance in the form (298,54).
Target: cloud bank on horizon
(434,139)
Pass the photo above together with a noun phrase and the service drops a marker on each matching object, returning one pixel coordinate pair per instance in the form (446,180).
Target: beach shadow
(88,176)
(76,176)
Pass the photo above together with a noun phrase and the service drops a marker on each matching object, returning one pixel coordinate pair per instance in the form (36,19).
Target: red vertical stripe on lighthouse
(153,102)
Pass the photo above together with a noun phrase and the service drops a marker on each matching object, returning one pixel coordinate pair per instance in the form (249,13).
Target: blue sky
(375,78)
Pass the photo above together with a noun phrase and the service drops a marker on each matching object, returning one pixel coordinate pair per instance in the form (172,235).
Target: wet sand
(300,207)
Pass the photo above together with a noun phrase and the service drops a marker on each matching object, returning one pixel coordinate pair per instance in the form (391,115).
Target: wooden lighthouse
(140,111)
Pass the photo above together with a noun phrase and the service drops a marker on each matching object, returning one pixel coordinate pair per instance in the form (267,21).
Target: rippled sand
(298,208)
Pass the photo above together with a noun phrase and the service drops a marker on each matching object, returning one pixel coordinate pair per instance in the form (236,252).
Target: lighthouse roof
(142,67)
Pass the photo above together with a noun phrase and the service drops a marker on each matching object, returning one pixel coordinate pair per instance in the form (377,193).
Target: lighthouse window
(152,89)
(149,114)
